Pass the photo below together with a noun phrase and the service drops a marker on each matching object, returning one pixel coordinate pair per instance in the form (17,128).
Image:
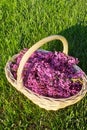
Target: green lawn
(22,23)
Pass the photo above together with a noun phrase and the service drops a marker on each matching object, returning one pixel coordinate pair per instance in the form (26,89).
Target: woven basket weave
(44,102)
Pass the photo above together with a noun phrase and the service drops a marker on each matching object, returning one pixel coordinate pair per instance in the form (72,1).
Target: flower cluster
(50,74)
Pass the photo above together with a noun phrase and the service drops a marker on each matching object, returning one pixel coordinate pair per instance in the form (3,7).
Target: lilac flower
(49,74)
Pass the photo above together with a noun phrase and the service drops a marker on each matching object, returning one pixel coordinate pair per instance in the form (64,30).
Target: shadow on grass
(77,39)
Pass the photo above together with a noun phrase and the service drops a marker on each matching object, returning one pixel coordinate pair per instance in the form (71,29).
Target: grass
(22,23)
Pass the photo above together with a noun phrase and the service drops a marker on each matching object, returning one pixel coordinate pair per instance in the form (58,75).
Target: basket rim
(11,78)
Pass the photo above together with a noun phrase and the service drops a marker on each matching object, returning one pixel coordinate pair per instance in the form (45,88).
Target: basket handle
(33,49)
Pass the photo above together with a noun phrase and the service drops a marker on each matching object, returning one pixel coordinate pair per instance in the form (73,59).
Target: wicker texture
(42,101)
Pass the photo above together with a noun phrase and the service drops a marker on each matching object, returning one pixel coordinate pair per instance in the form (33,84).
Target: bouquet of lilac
(50,74)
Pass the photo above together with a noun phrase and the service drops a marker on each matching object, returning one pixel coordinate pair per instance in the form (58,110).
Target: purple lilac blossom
(49,73)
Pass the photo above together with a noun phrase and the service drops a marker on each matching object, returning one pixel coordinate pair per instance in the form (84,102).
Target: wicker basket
(44,102)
